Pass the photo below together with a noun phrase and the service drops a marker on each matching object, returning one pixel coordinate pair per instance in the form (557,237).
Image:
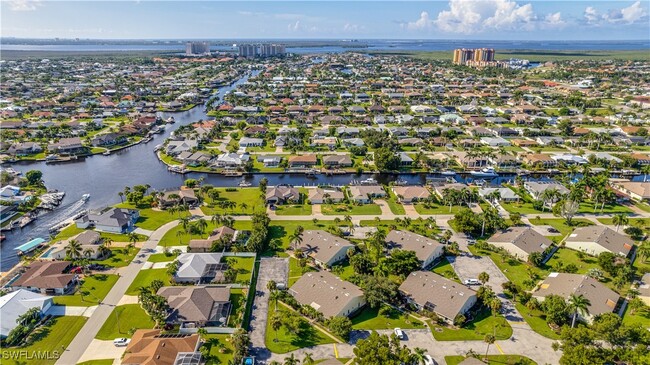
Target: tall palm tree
(276,324)
(107,241)
(579,304)
(644,251)
(133,237)
(291,360)
(619,220)
(73,250)
(201,224)
(29,316)
(419,353)
(489,339)
(308,359)
(88,253)
(103,250)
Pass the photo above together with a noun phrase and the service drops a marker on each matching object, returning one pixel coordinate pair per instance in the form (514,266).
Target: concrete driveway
(99,350)
(63,310)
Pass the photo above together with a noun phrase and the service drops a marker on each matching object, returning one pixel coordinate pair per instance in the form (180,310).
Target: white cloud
(635,13)
(347,27)
(24,5)
(424,22)
(295,26)
(474,16)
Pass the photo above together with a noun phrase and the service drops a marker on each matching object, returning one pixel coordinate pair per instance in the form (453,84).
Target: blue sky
(450,19)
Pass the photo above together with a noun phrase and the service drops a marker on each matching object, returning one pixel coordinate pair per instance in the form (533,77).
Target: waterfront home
(66,146)
(199,268)
(302,161)
(193,159)
(88,240)
(251,142)
(601,298)
(549,141)
(337,161)
(520,242)
(24,148)
(641,159)
(537,188)
(570,159)
(114,220)
(15,304)
(432,292)
(426,249)
(495,141)
(505,194)
(282,194)
(321,196)
(405,159)
(323,247)
(440,189)
(197,306)
(594,240)
(107,139)
(231,159)
(12,194)
(539,160)
(636,190)
(365,193)
(269,161)
(328,294)
(205,245)
(174,197)
(410,194)
(152,347)
(174,148)
(46,277)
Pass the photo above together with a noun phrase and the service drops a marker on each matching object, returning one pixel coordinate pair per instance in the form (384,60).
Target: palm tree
(216,219)
(201,224)
(121,194)
(103,251)
(107,241)
(619,220)
(489,339)
(133,238)
(644,251)
(73,250)
(419,353)
(29,316)
(308,359)
(276,324)
(88,253)
(579,304)
(483,277)
(275,296)
(291,360)
(243,207)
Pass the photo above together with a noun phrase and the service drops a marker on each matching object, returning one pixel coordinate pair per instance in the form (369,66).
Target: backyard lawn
(56,335)
(537,321)
(370,319)
(485,323)
(94,289)
(521,207)
(494,360)
(640,317)
(122,319)
(295,271)
(560,225)
(145,277)
(119,257)
(297,209)
(444,268)
(284,341)
(237,300)
(244,267)
(171,238)
(219,349)
(247,201)
(350,209)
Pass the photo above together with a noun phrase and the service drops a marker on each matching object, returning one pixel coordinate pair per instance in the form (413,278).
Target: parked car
(553,230)
(120,342)
(471,242)
(428,360)
(471,282)
(399,333)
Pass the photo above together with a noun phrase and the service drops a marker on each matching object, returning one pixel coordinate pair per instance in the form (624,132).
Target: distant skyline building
(476,57)
(197,48)
(264,50)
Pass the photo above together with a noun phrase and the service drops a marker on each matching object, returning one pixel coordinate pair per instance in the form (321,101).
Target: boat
(171,120)
(106,153)
(178,169)
(368,181)
(158,147)
(2,238)
(485,172)
(25,220)
(29,246)
(51,157)
(244,184)
(146,139)
(158,129)
(401,182)
(448,173)
(85,197)
(231,173)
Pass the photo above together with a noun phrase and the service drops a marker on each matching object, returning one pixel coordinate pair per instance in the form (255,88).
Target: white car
(428,360)
(119,342)
(399,333)
(471,282)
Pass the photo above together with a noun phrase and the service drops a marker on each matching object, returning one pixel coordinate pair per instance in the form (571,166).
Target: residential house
(537,188)
(505,194)
(302,161)
(269,161)
(205,245)
(175,197)
(426,249)
(643,289)
(15,304)
(281,194)
(365,193)
(24,148)
(405,159)
(539,159)
(636,190)
(320,196)
(88,240)
(199,268)
(114,220)
(594,240)
(46,277)
(601,298)
(440,189)
(107,139)
(197,306)
(251,142)
(66,146)
(325,248)
(410,194)
(495,141)
(328,294)
(152,347)
(432,292)
(174,148)
(520,242)
(337,161)
(232,160)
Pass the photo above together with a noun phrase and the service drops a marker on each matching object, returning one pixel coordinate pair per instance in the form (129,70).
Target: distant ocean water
(371,45)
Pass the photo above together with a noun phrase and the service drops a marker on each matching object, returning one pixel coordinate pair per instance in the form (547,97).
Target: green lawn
(350,209)
(295,271)
(395,206)
(643,206)
(485,323)
(560,225)
(244,267)
(432,208)
(237,300)
(220,350)
(640,317)
(145,277)
(161,257)
(97,362)
(281,230)
(369,319)
(343,270)
(151,219)
(521,207)
(247,200)
(73,230)
(54,336)
(537,321)
(119,257)
(444,268)
(494,360)
(130,316)
(588,208)
(94,288)
(639,222)
(304,209)
(290,341)
(515,270)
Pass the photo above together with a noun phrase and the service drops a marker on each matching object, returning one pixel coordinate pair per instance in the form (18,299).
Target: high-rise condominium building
(197,48)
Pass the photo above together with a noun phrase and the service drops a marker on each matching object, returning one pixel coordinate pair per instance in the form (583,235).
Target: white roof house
(195,267)
(17,303)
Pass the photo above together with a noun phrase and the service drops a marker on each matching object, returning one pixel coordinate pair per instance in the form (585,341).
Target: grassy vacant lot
(290,341)
(293,209)
(350,209)
(161,257)
(219,347)
(54,336)
(130,316)
(119,257)
(444,268)
(247,200)
(432,208)
(483,324)
(94,289)
(238,300)
(244,267)
(537,321)
(145,277)
(370,319)
(494,360)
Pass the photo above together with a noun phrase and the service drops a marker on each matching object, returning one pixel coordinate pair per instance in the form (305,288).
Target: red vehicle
(76,270)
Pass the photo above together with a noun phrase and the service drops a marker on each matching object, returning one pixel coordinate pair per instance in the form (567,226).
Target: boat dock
(29,246)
